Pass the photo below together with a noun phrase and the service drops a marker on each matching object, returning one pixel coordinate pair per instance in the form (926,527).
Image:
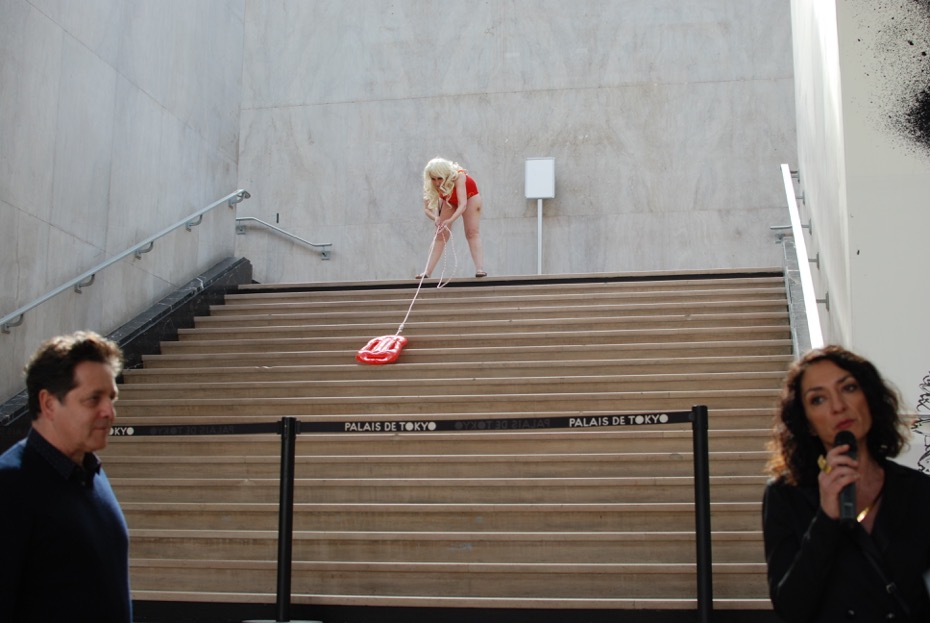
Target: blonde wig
(448,171)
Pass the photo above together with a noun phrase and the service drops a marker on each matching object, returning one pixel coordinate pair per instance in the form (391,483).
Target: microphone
(848,494)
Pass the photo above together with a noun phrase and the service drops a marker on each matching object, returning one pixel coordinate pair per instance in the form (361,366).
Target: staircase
(594,519)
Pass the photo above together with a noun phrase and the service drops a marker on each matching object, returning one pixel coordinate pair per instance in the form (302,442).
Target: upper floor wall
(118,118)
(862,88)
(667,119)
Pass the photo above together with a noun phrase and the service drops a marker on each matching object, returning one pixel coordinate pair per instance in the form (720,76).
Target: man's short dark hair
(52,365)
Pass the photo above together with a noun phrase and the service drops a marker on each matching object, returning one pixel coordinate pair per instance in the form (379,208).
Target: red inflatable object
(384,349)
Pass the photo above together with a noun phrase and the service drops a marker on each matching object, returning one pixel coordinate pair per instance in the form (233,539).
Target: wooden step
(646,517)
(609,303)
(527,580)
(553,285)
(251,353)
(243,371)
(474,603)
(440,490)
(550,465)
(360,385)
(505,511)
(372,407)
(557,441)
(475,310)
(289,339)
(526,547)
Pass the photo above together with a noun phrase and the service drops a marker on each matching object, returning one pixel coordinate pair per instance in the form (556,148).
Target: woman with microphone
(844,526)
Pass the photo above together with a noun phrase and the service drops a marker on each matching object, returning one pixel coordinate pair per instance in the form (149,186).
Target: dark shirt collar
(63,465)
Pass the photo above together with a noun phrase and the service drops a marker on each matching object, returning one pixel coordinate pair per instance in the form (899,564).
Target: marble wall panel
(84,138)
(641,149)
(22,258)
(303,52)
(11,273)
(127,291)
(216,240)
(118,118)
(137,174)
(30,69)
(188,57)
(96,24)
(68,256)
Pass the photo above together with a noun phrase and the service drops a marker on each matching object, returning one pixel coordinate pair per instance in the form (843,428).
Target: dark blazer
(65,549)
(818,570)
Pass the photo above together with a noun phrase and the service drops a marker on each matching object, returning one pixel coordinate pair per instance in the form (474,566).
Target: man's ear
(47,403)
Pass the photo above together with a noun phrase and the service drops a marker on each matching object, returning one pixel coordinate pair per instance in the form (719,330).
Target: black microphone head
(846,438)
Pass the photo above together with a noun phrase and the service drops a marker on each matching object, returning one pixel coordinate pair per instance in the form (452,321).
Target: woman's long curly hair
(449,172)
(795,448)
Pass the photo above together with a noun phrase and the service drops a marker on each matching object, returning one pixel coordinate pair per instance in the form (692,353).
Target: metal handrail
(14,319)
(804,269)
(323,246)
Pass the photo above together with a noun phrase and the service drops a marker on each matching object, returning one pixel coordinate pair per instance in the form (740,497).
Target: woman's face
(436,180)
(833,401)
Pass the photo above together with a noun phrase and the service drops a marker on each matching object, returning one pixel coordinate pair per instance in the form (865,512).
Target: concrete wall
(667,119)
(117,119)
(864,153)
(821,159)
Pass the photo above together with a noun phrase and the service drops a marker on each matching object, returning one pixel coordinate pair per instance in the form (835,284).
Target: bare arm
(429,213)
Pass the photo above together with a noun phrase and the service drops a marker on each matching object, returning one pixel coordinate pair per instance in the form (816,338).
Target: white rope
(455,262)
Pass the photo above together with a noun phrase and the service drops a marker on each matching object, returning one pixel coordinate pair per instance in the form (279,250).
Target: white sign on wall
(540,178)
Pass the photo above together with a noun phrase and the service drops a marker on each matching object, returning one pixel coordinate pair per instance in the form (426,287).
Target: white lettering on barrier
(416,427)
(618,420)
(389,427)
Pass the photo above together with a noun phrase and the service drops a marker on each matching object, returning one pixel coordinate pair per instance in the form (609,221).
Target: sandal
(481,273)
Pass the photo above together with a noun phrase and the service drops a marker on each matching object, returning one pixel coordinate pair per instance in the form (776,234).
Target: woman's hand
(837,470)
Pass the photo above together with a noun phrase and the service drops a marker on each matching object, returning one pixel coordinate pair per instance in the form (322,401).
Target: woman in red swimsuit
(444,184)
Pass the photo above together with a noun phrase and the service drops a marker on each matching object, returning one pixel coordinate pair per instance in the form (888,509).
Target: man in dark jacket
(65,541)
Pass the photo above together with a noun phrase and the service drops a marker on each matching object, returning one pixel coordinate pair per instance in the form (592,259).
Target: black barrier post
(705,578)
(286,516)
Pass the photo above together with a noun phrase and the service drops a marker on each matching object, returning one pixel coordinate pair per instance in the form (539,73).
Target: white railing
(324,247)
(85,279)
(811,311)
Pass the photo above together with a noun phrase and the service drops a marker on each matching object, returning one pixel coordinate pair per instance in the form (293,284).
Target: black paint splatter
(897,35)
(917,119)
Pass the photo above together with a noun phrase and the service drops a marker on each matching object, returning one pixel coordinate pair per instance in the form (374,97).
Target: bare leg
(440,245)
(438,248)
(471,219)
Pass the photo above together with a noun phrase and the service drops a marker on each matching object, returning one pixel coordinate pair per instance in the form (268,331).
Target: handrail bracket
(86,283)
(192,224)
(144,249)
(6,326)
(237,198)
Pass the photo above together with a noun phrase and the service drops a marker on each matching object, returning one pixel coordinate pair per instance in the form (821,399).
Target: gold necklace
(865,511)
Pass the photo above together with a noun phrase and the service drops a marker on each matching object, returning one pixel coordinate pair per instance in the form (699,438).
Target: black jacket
(65,551)
(819,571)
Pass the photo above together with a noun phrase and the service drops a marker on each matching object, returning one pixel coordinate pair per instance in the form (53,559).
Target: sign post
(540,184)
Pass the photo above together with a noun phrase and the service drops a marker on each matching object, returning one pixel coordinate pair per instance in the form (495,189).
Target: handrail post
(705,578)
(286,516)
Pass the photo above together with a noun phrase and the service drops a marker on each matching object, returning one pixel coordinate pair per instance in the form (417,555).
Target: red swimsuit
(471,189)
